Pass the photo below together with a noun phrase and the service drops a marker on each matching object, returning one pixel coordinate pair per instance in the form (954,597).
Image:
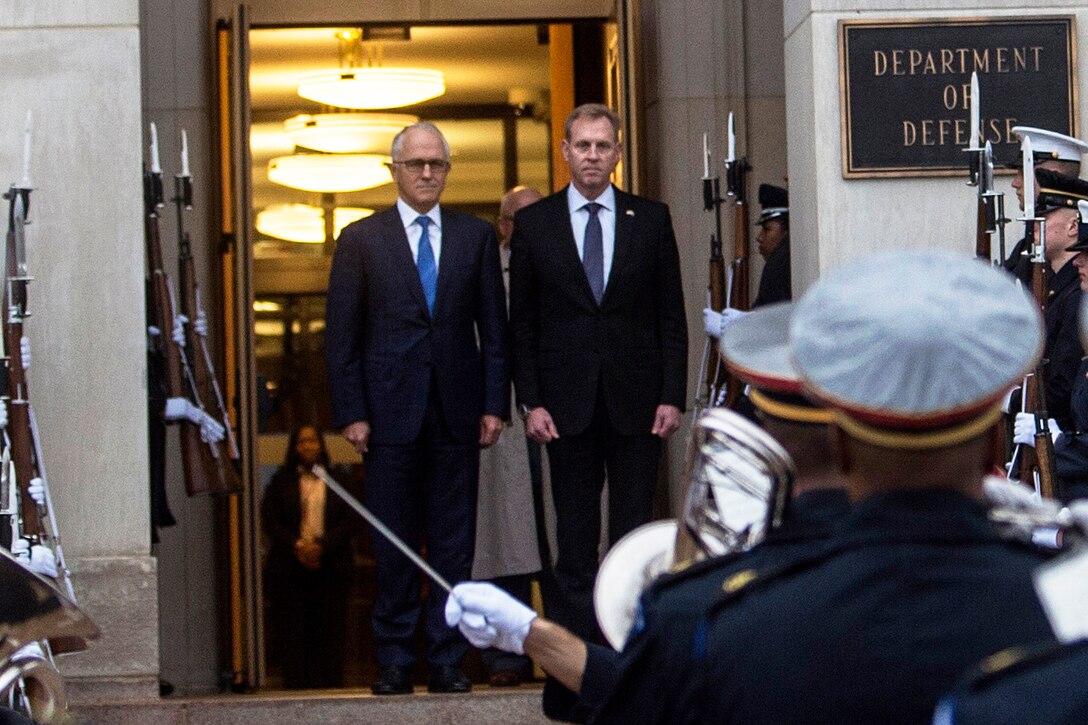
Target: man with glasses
(415,343)
(600,351)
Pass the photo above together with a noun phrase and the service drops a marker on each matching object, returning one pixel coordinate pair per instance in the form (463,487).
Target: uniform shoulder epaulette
(686,572)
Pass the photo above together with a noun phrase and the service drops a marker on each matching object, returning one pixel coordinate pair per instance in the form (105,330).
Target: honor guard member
(918,586)
(1053,152)
(635,685)
(1071,441)
(773,242)
(1057,204)
(1042,685)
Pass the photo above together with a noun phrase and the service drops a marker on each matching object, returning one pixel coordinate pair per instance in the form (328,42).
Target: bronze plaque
(905,86)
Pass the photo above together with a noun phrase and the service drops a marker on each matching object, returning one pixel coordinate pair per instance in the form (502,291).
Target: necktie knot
(592,207)
(423,221)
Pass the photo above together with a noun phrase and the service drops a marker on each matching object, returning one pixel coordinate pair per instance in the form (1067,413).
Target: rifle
(167,341)
(1038,462)
(14,310)
(206,386)
(990,218)
(737,187)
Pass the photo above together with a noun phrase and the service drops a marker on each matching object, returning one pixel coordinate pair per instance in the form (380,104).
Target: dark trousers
(579,464)
(310,612)
(425,492)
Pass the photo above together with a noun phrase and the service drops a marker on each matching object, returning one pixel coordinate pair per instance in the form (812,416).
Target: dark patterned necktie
(593,252)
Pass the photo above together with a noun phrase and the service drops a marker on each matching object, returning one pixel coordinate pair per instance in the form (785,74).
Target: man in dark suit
(600,350)
(416,349)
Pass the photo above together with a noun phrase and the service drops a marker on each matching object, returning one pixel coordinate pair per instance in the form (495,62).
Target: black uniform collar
(812,515)
(925,516)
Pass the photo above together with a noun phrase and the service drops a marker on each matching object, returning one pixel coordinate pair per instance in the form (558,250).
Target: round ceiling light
(330,173)
(343,133)
(305,223)
(372,86)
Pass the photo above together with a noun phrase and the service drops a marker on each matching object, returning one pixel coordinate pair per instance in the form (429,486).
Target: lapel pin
(630,212)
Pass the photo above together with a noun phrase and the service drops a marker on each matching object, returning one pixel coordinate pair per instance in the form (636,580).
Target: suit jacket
(281,517)
(383,347)
(634,344)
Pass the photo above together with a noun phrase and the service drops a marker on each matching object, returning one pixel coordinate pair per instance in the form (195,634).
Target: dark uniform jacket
(775,282)
(632,685)
(1042,686)
(1063,348)
(917,589)
(1071,448)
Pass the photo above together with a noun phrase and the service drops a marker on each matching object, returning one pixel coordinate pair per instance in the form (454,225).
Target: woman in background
(308,567)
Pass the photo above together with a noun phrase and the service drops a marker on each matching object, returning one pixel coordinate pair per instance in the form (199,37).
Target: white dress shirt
(408,217)
(607,216)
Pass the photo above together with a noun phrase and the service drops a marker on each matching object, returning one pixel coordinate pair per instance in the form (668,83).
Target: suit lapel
(401,254)
(621,250)
(449,262)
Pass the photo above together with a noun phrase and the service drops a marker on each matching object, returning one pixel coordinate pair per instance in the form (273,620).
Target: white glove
(179,330)
(1016,496)
(489,617)
(36,489)
(1024,429)
(24,351)
(43,561)
(715,323)
(211,430)
(1078,510)
(200,324)
(3,414)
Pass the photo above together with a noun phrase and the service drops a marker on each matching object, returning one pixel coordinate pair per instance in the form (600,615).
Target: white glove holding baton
(1024,429)
(489,617)
(714,323)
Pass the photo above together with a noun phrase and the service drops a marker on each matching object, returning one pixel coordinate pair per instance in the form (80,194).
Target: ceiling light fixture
(330,173)
(355,85)
(304,223)
(342,133)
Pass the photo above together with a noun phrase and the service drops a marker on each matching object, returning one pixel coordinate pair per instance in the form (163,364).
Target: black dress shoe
(448,678)
(505,678)
(393,680)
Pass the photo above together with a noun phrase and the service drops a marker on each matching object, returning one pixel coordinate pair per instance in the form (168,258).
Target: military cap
(1058,191)
(1050,145)
(775,202)
(756,349)
(1082,236)
(915,349)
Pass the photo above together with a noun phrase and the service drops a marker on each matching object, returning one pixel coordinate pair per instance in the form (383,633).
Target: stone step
(520,706)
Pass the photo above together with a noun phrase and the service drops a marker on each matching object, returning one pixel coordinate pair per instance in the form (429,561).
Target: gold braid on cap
(789,411)
(916,441)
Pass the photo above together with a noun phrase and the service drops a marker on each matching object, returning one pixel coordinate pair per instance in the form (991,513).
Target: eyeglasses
(438,166)
(603,147)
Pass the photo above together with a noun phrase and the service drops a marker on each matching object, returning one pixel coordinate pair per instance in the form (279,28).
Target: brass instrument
(738,490)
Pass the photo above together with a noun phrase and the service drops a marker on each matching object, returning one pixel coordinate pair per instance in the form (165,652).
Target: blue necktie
(593,252)
(428,271)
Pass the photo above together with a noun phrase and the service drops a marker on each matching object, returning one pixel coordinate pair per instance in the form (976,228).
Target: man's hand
(358,435)
(666,421)
(489,617)
(539,425)
(490,428)
(308,553)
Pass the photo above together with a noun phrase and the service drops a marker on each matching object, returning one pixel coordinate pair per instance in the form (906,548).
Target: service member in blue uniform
(1070,441)
(1045,685)
(918,586)
(1052,151)
(631,684)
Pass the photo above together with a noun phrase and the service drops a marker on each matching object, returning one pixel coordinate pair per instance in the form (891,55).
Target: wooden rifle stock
(982,234)
(224,478)
(199,466)
(739,291)
(14,309)
(1040,459)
